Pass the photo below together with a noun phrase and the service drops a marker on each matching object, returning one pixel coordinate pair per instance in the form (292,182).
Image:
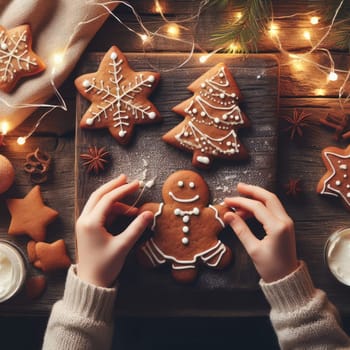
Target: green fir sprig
(243,34)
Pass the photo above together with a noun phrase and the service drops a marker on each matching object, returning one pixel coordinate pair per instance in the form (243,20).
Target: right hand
(275,255)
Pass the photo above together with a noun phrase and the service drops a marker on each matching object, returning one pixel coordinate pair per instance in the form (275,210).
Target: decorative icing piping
(217,217)
(220,251)
(159,212)
(183,200)
(122,100)
(336,192)
(154,246)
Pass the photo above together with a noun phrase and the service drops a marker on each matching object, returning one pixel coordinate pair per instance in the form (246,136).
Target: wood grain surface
(149,158)
(315,216)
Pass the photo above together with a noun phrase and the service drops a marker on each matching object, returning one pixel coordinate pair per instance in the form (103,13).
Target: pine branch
(245,32)
(340,33)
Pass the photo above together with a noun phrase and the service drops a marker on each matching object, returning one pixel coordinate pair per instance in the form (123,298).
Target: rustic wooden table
(315,217)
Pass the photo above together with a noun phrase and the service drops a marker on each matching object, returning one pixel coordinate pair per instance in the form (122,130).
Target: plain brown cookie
(30,215)
(336,181)
(35,287)
(48,256)
(185,228)
(212,118)
(17,57)
(119,97)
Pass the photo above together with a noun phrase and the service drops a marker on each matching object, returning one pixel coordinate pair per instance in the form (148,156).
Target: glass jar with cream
(13,270)
(337,255)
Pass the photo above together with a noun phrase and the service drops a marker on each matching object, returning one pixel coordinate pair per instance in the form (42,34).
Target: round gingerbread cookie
(186,228)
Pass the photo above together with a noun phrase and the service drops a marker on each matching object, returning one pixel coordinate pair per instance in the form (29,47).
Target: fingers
(258,193)
(103,207)
(261,213)
(133,232)
(242,231)
(101,191)
(123,209)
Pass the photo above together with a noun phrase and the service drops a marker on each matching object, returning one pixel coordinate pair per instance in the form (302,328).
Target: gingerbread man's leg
(219,258)
(149,256)
(184,273)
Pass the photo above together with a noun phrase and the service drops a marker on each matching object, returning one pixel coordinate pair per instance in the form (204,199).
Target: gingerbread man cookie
(185,228)
(336,181)
(212,118)
(17,58)
(119,97)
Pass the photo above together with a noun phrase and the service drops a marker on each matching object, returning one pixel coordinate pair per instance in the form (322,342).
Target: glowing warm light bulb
(4,128)
(314,20)
(320,92)
(233,47)
(57,58)
(203,58)
(21,140)
(173,29)
(144,37)
(307,35)
(238,15)
(332,76)
(273,29)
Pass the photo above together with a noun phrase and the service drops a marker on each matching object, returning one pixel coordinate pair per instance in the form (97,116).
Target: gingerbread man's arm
(153,207)
(221,210)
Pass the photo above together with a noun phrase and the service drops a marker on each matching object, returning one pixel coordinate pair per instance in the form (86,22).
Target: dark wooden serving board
(148,157)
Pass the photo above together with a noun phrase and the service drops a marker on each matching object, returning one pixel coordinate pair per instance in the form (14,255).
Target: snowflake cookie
(212,117)
(336,181)
(17,59)
(185,228)
(119,96)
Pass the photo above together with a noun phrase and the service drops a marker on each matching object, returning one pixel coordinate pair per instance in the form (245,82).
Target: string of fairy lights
(180,30)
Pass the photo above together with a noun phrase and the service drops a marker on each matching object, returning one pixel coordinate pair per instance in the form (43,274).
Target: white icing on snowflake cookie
(17,59)
(119,96)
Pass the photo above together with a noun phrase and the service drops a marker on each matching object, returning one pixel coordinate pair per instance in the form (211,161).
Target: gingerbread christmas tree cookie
(29,215)
(212,118)
(17,58)
(185,228)
(119,97)
(336,181)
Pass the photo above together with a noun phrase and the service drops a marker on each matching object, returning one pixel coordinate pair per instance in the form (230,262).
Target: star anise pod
(95,159)
(293,187)
(297,122)
(340,124)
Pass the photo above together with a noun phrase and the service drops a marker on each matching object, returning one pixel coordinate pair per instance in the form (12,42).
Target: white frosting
(340,189)
(338,254)
(117,97)
(183,200)
(157,256)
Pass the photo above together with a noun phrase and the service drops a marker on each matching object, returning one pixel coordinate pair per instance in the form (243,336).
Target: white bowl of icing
(337,254)
(13,270)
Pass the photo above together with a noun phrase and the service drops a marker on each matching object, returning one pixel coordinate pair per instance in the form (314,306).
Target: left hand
(101,255)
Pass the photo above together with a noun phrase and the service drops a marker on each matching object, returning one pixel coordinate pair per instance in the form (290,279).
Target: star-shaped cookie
(336,181)
(119,96)
(48,256)
(17,58)
(30,215)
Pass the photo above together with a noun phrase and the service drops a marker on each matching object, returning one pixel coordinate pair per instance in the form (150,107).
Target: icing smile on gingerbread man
(181,184)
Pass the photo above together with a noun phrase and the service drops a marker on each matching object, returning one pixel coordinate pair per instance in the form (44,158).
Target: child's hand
(275,255)
(100,254)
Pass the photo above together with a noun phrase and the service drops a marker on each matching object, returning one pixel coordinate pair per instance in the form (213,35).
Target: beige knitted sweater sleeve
(301,315)
(83,319)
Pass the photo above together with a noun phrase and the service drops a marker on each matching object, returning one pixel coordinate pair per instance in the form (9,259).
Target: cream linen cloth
(54,24)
